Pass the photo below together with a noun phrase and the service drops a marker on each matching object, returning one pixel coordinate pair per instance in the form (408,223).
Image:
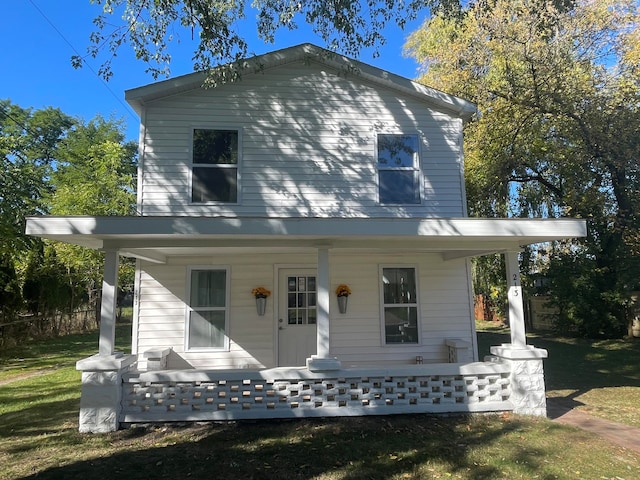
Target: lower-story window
(399,305)
(208,311)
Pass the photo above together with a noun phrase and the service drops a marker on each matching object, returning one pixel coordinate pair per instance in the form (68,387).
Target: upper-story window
(398,169)
(215,166)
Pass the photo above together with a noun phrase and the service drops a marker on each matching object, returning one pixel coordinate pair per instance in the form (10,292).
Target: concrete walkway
(562,411)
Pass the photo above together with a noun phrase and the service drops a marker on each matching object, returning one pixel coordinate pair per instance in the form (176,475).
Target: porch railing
(196,395)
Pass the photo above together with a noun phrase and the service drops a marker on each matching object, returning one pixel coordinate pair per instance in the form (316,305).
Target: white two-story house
(310,174)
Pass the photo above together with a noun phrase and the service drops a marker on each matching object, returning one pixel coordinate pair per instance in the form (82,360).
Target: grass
(38,427)
(599,377)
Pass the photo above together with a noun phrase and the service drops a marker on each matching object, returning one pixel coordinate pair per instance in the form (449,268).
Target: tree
(95,171)
(558,85)
(150,27)
(10,298)
(28,142)
(95,175)
(52,163)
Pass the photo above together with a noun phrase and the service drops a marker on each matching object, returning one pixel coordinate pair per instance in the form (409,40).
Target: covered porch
(115,392)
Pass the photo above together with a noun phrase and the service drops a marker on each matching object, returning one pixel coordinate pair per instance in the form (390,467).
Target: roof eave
(138,97)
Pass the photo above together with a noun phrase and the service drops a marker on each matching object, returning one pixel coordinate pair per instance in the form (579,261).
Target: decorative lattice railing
(192,395)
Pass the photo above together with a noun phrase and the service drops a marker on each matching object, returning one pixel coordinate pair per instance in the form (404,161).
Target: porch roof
(156,237)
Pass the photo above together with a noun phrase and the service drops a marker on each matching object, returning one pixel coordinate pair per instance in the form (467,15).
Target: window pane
(208,288)
(399,285)
(214,185)
(311,284)
(206,329)
(215,146)
(401,324)
(399,186)
(397,150)
(292,300)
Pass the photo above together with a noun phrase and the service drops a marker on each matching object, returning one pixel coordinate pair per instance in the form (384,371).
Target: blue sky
(38,38)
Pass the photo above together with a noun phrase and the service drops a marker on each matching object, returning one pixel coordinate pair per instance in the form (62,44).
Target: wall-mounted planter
(261,305)
(342,303)
(261,295)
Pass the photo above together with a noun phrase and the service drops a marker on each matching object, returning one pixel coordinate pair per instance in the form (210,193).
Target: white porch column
(108,307)
(100,400)
(323,303)
(322,361)
(514,295)
(526,377)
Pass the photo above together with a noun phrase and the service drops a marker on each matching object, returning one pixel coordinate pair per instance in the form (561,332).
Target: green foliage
(149,28)
(54,164)
(558,86)
(95,172)
(28,142)
(49,289)
(95,175)
(10,298)
(489,281)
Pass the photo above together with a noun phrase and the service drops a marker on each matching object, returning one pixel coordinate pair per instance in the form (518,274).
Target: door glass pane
(292,316)
(301,300)
(313,316)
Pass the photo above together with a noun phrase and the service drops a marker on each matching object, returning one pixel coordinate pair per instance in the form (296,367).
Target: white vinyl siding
(444,309)
(308,147)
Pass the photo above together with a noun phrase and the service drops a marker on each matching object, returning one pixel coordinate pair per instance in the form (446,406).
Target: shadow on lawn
(410,446)
(577,365)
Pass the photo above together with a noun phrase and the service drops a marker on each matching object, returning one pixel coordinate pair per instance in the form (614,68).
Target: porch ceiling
(155,238)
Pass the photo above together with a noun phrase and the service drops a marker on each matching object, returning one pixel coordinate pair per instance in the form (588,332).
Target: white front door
(297,316)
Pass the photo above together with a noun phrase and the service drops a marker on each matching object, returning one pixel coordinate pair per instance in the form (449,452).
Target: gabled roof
(138,97)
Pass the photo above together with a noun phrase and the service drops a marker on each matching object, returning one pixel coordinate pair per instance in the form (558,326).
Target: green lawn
(38,427)
(600,377)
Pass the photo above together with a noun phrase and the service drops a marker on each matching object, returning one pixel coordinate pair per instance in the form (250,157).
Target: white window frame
(189,308)
(416,168)
(193,165)
(416,304)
